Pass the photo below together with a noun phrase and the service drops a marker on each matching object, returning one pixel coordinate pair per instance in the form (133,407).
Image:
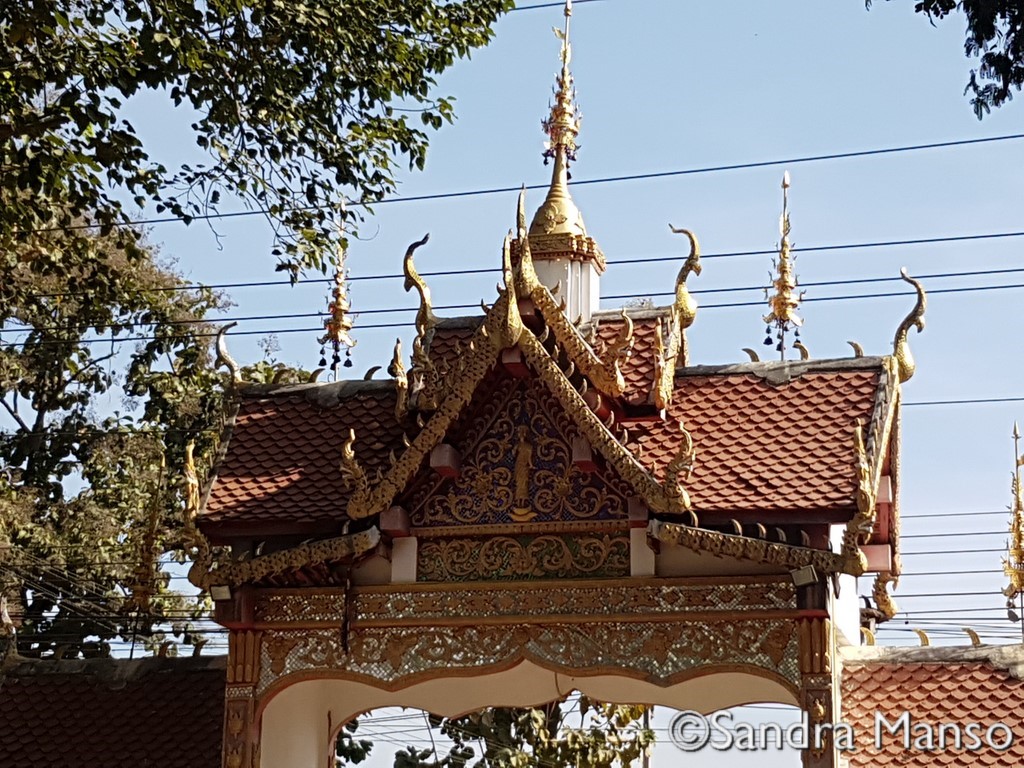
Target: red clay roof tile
(282,460)
(933,694)
(148,713)
(765,447)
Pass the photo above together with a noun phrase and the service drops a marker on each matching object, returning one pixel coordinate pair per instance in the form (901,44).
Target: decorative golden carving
(568,600)
(191,482)
(1013,564)
(484,347)
(880,591)
(557,229)
(901,346)
(746,548)
(517,466)
(521,512)
(617,352)
(425,318)
(681,317)
(679,469)
(623,461)
(510,327)
(354,474)
(784,302)
(523,557)
(397,370)
(685,306)
(324,551)
(339,323)
(858,530)
(658,651)
(241,746)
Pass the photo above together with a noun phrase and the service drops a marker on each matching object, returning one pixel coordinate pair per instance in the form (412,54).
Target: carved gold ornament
(397,371)
(517,467)
(685,306)
(747,548)
(901,345)
(1013,564)
(324,551)
(784,302)
(523,558)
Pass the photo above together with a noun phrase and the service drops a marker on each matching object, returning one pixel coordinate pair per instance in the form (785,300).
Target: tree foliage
(995,37)
(297,103)
(578,732)
(105,377)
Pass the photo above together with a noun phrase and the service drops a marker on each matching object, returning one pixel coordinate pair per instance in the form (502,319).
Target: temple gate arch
(550,497)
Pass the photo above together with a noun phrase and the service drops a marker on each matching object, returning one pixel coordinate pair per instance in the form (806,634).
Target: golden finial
(901,346)
(559,214)
(1013,564)
(785,301)
(338,322)
(685,305)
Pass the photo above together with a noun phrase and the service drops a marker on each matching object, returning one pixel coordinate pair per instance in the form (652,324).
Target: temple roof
(935,685)
(771,437)
(158,712)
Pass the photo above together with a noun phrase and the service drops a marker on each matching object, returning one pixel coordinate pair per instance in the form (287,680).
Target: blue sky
(667,85)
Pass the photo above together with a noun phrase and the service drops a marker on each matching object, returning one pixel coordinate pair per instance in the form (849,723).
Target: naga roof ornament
(784,302)
(423,374)
(338,323)
(557,228)
(905,364)
(669,340)
(1013,564)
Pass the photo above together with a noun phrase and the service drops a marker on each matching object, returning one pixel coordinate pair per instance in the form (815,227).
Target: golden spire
(785,301)
(338,322)
(559,214)
(1013,565)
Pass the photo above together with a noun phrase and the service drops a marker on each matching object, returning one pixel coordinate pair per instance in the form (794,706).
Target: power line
(371,326)
(445,307)
(579,183)
(611,262)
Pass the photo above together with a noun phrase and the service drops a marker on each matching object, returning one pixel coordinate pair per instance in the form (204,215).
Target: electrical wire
(847,155)
(611,263)
(25,328)
(212,334)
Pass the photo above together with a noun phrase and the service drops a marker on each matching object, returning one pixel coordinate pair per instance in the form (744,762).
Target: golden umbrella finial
(559,214)
(784,302)
(338,323)
(1013,564)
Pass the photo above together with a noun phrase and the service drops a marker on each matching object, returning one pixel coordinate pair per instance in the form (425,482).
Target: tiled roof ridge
(111,669)
(1008,658)
(324,392)
(777,372)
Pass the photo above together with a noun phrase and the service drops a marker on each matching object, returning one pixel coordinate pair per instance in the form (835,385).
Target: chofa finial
(905,364)
(685,306)
(784,302)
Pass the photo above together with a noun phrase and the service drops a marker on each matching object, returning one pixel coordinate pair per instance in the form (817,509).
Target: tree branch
(14,414)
